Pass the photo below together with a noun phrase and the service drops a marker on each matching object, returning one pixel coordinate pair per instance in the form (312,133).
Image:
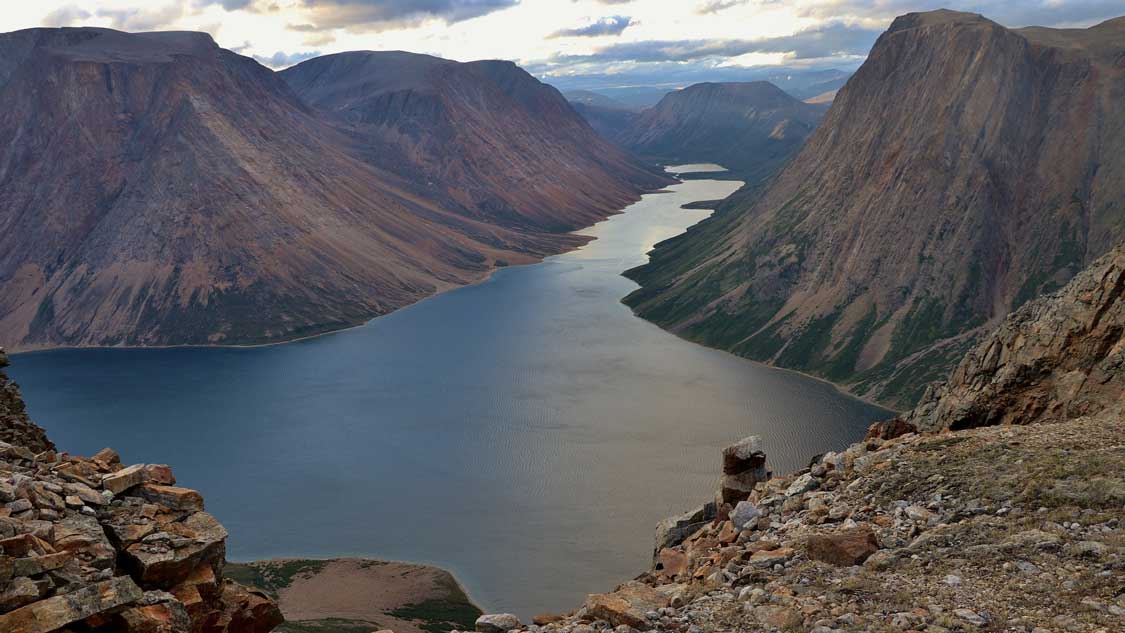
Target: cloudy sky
(555,39)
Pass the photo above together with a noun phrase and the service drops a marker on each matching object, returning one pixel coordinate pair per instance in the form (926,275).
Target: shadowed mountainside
(156,189)
(750,128)
(487,137)
(963,170)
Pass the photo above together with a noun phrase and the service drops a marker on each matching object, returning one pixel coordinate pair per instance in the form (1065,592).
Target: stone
(671,562)
(182,499)
(543,619)
(918,513)
(164,566)
(843,548)
(19,592)
(497,623)
(672,531)
(124,479)
(745,515)
(52,614)
(84,537)
(769,558)
(107,456)
(970,616)
(627,605)
(744,466)
(801,485)
(159,474)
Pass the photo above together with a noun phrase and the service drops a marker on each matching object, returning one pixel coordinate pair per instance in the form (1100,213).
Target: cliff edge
(88,544)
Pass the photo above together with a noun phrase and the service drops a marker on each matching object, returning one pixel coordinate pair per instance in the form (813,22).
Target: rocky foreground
(91,545)
(997,505)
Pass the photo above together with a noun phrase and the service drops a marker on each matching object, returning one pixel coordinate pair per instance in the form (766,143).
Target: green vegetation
(272,576)
(440,616)
(328,625)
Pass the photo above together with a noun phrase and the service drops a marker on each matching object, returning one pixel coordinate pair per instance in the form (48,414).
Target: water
(526,433)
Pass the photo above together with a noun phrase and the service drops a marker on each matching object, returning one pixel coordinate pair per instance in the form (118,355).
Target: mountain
(963,170)
(751,128)
(490,139)
(156,189)
(607,116)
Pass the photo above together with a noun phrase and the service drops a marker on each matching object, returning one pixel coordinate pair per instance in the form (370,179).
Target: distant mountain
(488,138)
(965,169)
(156,189)
(607,116)
(751,128)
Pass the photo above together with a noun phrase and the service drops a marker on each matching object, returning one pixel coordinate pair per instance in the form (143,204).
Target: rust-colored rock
(843,548)
(627,605)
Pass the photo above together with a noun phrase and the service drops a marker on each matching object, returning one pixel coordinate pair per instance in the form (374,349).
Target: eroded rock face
(15,427)
(88,544)
(1057,358)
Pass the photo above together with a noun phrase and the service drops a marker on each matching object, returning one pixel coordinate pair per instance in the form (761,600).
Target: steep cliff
(87,544)
(963,170)
(751,128)
(488,138)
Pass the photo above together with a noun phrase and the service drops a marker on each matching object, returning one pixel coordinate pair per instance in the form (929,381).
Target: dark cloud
(281,59)
(69,15)
(828,40)
(606,26)
(1006,12)
(359,15)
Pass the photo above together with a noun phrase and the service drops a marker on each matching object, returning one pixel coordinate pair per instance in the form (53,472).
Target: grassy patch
(439,616)
(328,625)
(272,576)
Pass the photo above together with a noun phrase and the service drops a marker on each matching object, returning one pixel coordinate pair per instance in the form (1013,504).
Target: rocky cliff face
(751,128)
(15,427)
(1057,358)
(87,544)
(488,138)
(157,189)
(963,170)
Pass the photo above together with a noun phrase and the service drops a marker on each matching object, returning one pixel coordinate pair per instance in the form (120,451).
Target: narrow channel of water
(526,433)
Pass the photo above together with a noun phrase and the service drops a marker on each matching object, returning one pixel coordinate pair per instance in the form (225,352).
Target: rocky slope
(87,544)
(1058,357)
(751,128)
(963,170)
(487,137)
(156,189)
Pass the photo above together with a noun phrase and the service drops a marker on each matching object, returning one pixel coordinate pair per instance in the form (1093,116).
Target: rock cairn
(91,545)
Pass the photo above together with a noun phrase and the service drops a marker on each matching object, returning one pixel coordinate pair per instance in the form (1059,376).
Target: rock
(628,605)
(497,623)
(843,548)
(745,515)
(163,566)
(970,616)
(673,530)
(952,580)
(124,479)
(744,465)
(918,513)
(54,613)
(801,485)
(183,499)
(671,562)
(769,558)
(543,619)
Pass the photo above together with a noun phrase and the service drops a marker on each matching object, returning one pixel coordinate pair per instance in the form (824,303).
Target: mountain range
(156,189)
(963,170)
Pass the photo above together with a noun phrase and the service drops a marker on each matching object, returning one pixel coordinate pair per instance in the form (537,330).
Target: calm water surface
(526,433)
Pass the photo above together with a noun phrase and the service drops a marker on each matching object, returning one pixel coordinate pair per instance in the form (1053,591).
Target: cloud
(147,19)
(66,16)
(605,26)
(1006,12)
(281,59)
(360,15)
(827,40)
(714,6)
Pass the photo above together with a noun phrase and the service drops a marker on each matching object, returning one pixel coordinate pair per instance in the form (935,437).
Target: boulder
(628,605)
(745,515)
(744,465)
(168,559)
(497,623)
(182,499)
(672,531)
(124,479)
(843,548)
(52,614)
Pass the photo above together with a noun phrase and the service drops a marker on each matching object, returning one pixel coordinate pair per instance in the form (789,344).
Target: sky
(556,40)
